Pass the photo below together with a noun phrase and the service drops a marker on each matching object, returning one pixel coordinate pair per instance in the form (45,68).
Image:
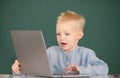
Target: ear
(80,34)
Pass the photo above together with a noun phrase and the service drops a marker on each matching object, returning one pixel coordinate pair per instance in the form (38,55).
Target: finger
(68,71)
(17,71)
(17,62)
(16,65)
(77,68)
(16,68)
(70,66)
(73,68)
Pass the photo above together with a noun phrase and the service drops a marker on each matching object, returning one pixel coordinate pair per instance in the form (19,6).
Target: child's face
(68,35)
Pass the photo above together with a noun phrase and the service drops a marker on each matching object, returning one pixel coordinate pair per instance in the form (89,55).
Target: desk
(11,76)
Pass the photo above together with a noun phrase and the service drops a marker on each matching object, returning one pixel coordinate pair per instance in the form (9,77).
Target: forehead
(68,25)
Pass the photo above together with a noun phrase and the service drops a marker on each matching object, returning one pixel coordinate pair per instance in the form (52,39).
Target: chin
(63,48)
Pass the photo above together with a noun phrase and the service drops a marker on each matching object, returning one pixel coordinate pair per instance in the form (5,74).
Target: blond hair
(71,16)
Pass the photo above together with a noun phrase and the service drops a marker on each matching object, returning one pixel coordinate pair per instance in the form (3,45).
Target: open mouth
(63,44)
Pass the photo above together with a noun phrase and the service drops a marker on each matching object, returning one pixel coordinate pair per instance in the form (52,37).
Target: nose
(61,37)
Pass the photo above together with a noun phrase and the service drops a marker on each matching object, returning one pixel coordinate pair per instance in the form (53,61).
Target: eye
(57,34)
(67,34)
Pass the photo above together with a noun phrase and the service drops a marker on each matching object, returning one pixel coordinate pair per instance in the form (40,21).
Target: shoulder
(52,48)
(53,51)
(86,51)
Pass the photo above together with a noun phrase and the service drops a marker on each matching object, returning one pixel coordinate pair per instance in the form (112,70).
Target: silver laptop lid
(31,52)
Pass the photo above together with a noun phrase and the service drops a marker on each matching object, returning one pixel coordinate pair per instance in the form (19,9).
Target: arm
(88,64)
(93,66)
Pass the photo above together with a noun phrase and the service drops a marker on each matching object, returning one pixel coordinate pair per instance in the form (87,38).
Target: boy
(68,57)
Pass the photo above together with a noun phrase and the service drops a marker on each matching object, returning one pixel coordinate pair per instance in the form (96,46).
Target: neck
(68,51)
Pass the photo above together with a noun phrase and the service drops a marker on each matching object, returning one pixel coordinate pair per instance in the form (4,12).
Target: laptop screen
(31,52)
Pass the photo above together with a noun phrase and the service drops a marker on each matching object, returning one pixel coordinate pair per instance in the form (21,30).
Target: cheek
(71,39)
(76,37)
(57,39)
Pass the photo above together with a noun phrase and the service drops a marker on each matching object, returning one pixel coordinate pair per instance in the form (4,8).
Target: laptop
(30,51)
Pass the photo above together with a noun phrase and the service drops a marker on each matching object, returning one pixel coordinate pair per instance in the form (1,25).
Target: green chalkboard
(101,28)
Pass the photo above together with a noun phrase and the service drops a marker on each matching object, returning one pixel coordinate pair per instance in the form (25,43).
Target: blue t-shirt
(85,58)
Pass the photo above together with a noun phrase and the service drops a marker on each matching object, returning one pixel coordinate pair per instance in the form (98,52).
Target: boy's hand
(72,68)
(16,67)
